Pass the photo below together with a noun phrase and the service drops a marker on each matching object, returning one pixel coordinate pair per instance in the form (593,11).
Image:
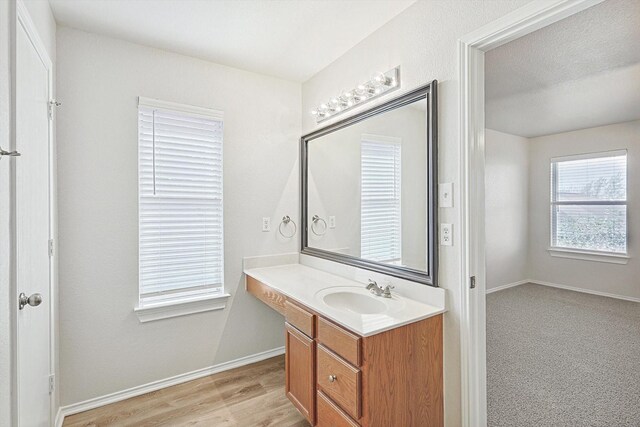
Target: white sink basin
(351,301)
(358,300)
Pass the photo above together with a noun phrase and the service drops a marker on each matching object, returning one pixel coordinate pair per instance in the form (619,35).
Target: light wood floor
(252,395)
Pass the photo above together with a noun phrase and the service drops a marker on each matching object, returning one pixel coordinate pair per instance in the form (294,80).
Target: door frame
(23,20)
(471,50)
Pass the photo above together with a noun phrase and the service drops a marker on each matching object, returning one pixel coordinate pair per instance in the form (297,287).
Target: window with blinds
(380,227)
(180,202)
(589,202)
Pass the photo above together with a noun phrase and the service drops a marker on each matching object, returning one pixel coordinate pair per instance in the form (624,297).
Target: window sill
(167,310)
(609,257)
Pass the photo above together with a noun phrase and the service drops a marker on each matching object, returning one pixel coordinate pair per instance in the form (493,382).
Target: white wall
(518,229)
(423,40)
(506,208)
(595,276)
(104,348)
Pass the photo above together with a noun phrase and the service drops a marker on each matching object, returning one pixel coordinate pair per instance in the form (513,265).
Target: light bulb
(380,79)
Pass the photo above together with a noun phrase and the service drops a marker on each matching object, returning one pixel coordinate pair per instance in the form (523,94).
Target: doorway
(472,48)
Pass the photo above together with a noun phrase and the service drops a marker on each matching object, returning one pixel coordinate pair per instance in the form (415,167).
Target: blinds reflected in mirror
(180,203)
(381,216)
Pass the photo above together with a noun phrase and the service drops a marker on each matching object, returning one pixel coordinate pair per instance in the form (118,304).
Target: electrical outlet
(266,224)
(332,222)
(445,195)
(446,234)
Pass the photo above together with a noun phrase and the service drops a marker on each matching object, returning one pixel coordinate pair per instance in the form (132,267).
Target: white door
(32,232)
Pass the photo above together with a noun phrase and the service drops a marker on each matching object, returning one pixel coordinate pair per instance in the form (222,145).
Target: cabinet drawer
(329,415)
(300,318)
(339,380)
(340,341)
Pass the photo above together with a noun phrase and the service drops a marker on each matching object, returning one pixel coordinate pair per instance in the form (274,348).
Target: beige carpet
(562,358)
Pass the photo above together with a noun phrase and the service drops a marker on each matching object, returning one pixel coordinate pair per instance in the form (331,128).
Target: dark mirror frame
(428,92)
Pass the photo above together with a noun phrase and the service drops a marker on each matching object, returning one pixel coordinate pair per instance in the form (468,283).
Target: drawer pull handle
(332,378)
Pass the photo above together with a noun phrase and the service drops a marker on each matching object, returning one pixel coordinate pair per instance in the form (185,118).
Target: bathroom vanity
(354,358)
(359,353)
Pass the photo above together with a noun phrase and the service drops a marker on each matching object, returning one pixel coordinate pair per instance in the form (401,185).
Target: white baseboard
(583,290)
(566,287)
(508,285)
(59,418)
(157,385)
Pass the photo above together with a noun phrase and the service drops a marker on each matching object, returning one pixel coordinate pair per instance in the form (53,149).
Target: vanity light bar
(380,84)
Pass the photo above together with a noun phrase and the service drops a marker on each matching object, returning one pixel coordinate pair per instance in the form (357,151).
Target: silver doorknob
(34,300)
(332,378)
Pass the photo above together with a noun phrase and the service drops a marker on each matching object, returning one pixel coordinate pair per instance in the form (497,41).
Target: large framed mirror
(369,188)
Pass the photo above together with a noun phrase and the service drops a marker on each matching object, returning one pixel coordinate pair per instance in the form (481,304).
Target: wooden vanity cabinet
(337,378)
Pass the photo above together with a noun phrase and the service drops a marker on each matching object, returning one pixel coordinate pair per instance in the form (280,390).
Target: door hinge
(52,383)
(50,247)
(13,153)
(53,103)
(472,282)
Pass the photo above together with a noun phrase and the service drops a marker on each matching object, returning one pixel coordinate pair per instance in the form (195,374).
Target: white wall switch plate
(332,222)
(446,234)
(445,195)
(266,223)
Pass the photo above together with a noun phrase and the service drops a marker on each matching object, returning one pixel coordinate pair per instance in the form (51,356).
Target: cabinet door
(300,371)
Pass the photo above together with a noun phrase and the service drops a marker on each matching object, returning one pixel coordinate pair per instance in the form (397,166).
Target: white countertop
(303,284)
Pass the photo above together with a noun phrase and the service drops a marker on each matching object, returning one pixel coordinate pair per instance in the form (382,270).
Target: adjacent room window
(589,202)
(381,227)
(180,202)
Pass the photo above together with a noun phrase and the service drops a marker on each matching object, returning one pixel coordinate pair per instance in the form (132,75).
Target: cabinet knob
(332,378)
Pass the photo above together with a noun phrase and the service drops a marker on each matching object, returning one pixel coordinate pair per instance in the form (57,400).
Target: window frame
(582,253)
(193,299)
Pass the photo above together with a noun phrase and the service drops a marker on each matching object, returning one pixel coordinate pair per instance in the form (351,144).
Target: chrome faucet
(387,291)
(374,288)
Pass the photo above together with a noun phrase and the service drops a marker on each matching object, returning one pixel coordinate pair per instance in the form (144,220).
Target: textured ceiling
(292,39)
(573,74)
(601,38)
(599,100)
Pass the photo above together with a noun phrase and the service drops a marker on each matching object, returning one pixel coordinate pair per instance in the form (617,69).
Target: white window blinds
(589,202)
(380,234)
(180,201)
